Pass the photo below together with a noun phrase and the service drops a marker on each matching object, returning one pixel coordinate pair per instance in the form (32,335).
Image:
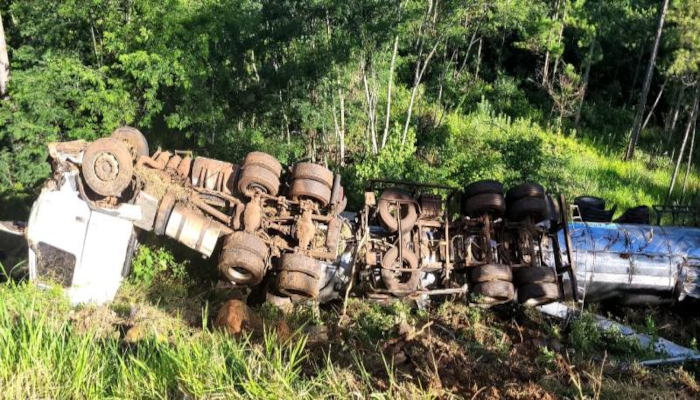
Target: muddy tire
(483,187)
(301,263)
(400,281)
(165,208)
(491,272)
(260,159)
(246,241)
(310,189)
(292,284)
(241,266)
(536,294)
(524,190)
(134,140)
(107,167)
(313,172)
(526,275)
(408,211)
(485,203)
(534,207)
(493,292)
(258,177)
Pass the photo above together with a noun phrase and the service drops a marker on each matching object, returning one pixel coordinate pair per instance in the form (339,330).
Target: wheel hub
(106,167)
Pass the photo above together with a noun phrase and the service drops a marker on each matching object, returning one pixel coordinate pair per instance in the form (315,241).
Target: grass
(46,353)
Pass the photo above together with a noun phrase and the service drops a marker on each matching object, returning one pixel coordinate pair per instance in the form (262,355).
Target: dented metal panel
(635,263)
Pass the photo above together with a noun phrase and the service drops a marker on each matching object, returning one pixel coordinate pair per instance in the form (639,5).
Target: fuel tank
(634,264)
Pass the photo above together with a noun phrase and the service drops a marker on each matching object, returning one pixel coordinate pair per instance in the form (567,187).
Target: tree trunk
(690,161)
(653,106)
(416,83)
(388,91)
(4,62)
(342,125)
(637,127)
(587,73)
(370,113)
(636,71)
(689,127)
(675,114)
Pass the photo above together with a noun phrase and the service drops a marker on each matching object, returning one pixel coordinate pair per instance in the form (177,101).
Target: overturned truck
(285,231)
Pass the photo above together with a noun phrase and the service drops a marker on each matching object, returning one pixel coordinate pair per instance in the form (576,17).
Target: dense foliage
(446,91)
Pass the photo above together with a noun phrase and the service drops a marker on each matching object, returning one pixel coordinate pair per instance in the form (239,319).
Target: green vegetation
(447,91)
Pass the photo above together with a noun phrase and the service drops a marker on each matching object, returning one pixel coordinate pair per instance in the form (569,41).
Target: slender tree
(637,127)
(4,62)
(688,129)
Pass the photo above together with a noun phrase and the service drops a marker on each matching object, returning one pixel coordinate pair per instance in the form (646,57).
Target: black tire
(264,160)
(107,166)
(400,281)
(310,189)
(527,275)
(134,140)
(258,177)
(483,187)
(493,292)
(313,172)
(536,294)
(590,202)
(409,212)
(491,272)
(292,283)
(524,190)
(247,241)
(485,203)
(241,266)
(301,263)
(534,207)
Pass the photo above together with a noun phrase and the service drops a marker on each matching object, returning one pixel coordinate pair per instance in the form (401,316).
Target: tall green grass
(43,355)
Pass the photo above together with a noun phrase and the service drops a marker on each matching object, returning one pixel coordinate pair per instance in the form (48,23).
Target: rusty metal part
(134,139)
(397,208)
(193,229)
(202,205)
(241,266)
(157,161)
(164,209)
(306,230)
(314,172)
(215,175)
(253,215)
(107,167)
(310,189)
(183,170)
(431,206)
(173,162)
(264,160)
(256,178)
(333,234)
(400,272)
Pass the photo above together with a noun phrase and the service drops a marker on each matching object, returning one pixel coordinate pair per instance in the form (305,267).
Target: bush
(151,263)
